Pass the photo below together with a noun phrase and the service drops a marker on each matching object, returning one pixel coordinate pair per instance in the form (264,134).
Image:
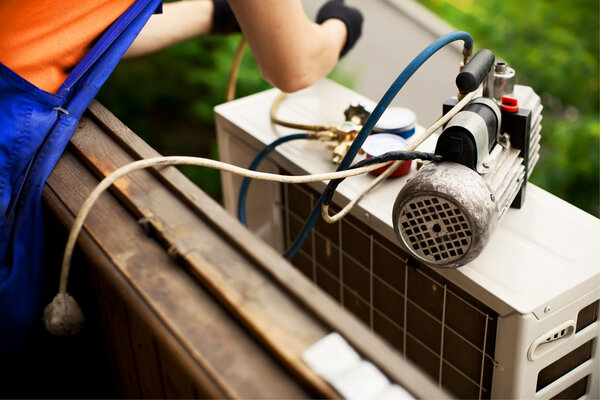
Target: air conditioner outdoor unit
(520,321)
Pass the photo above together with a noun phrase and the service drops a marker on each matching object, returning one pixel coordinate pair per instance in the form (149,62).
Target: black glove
(348,15)
(223,20)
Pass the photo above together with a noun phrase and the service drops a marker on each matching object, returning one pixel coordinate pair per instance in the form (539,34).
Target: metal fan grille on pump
(435,229)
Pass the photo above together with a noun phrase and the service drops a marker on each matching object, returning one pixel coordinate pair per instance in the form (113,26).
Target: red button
(509,104)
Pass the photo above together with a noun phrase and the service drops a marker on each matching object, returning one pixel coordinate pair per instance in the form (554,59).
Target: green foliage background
(554,47)
(168,97)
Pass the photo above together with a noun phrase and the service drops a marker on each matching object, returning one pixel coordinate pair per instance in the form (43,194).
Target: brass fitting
(339,152)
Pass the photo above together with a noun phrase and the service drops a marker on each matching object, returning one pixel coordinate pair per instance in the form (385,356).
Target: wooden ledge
(214,308)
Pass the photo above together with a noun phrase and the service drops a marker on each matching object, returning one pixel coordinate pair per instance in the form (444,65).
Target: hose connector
(340,151)
(320,135)
(467,52)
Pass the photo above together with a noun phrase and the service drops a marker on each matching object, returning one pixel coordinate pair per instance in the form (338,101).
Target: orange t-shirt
(42,41)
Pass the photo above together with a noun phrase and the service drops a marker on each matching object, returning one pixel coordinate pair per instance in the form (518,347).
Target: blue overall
(35,127)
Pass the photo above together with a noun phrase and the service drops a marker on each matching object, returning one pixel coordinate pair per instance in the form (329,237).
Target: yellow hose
(235,69)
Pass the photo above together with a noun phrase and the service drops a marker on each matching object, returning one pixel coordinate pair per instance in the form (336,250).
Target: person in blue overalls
(54,57)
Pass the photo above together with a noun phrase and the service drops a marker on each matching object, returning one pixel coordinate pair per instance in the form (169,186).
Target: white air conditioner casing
(521,321)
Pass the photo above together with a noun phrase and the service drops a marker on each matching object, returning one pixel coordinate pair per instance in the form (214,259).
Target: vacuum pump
(446,213)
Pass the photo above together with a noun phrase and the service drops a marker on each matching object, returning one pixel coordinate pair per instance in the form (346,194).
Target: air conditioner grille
(587,315)
(575,391)
(564,364)
(441,328)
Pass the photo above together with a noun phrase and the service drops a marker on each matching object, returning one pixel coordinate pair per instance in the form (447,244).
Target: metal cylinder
(503,81)
(445,215)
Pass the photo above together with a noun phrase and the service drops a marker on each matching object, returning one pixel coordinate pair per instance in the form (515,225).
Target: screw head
(547,309)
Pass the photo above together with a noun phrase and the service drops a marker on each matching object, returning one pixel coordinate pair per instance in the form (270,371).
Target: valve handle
(473,74)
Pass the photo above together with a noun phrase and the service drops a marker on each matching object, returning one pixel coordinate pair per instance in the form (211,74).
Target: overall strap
(106,40)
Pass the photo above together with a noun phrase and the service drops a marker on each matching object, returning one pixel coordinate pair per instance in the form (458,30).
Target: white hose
(182,160)
(205,162)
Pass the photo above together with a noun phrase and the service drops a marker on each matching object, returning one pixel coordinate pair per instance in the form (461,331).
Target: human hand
(223,20)
(350,16)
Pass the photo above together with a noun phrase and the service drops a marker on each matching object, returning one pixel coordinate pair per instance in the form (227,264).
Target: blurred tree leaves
(554,47)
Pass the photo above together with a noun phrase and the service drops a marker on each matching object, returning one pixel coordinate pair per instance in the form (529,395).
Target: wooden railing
(193,304)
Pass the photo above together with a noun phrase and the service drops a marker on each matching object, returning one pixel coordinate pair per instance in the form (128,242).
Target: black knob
(475,71)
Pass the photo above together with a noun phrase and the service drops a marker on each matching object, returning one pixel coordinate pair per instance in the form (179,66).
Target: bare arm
(292,51)
(179,21)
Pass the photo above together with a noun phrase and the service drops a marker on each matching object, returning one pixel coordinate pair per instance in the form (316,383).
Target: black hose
(255,163)
(390,156)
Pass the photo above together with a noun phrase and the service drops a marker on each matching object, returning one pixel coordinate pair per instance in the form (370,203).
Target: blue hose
(372,120)
(255,163)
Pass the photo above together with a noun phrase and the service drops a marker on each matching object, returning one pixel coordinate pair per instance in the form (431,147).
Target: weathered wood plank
(200,335)
(118,338)
(147,358)
(176,380)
